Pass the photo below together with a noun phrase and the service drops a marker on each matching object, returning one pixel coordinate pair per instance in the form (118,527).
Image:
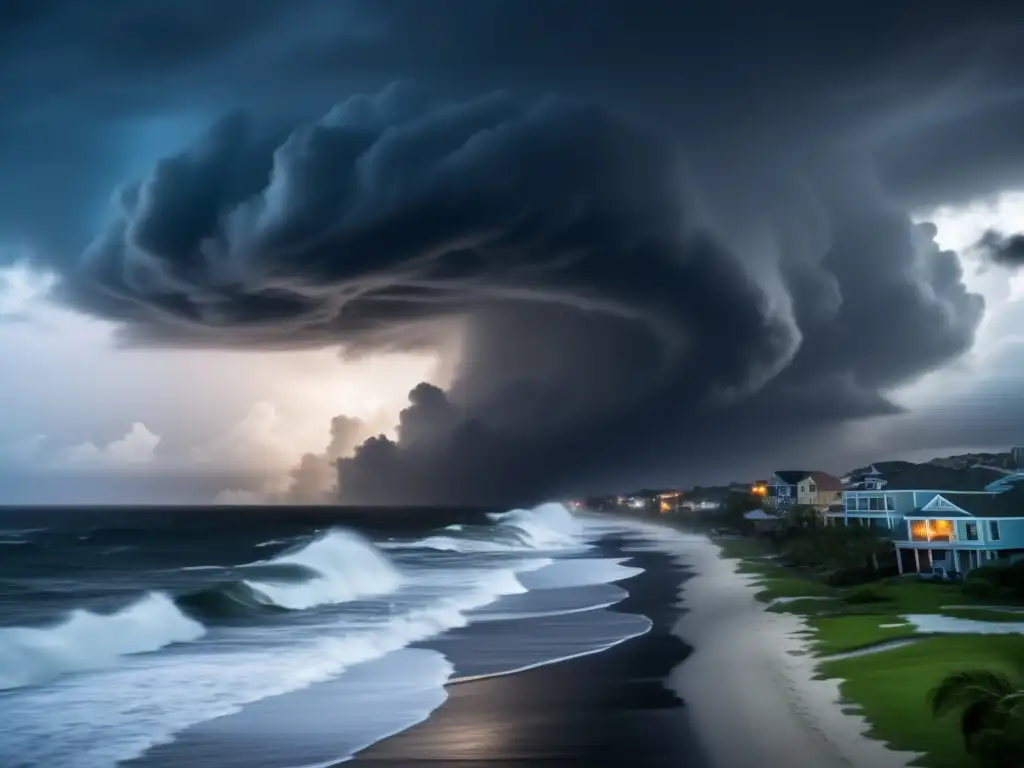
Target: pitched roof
(974,503)
(824,481)
(928,477)
(791,476)
(1006,504)
(883,468)
(942,514)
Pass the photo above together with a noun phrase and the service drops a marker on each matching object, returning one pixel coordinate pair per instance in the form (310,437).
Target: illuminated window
(931,530)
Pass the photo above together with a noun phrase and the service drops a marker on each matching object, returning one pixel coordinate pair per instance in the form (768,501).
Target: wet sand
(751,679)
(606,709)
(717,683)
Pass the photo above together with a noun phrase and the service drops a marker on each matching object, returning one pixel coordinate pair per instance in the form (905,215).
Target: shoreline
(719,681)
(605,708)
(773,692)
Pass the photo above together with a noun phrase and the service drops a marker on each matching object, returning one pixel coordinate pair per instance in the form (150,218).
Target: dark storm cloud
(599,307)
(707,242)
(1001,249)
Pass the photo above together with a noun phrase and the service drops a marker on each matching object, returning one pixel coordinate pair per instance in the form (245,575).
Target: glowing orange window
(932,529)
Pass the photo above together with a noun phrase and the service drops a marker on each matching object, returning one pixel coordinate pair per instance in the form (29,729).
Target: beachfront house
(957,519)
(960,532)
(819,490)
(782,488)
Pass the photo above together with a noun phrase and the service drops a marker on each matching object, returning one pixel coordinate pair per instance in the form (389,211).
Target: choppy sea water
(279,638)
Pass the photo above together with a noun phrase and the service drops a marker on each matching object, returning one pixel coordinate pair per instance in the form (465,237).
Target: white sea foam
(87,640)
(111,703)
(272,542)
(347,567)
(579,572)
(549,527)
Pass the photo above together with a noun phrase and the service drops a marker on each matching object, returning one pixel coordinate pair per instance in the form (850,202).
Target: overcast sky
(501,250)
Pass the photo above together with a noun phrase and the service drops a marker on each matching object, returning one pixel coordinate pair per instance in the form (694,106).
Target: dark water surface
(277,637)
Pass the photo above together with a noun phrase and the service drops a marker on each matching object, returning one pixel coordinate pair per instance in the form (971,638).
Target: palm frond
(980,715)
(959,689)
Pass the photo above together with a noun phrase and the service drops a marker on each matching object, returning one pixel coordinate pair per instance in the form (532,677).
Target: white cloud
(137,447)
(262,440)
(22,289)
(959,228)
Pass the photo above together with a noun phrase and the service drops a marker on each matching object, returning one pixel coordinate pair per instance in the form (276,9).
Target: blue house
(957,519)
(963,531)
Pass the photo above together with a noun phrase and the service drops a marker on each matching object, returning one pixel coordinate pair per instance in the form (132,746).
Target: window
(993,530)
(862,503)
(811,488)
(931,530)
(972,531)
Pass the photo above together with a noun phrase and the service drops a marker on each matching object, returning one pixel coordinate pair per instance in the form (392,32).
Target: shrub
(849,577)
(981,589)
(865,595)
(995,581)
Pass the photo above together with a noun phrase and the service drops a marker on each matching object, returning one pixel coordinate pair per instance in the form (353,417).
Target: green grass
(837,634)
(734,549)
(892,688)
(793,586)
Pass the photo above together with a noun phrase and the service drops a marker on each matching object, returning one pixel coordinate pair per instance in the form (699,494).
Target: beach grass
(792,586)
(891,690)
(739,548)
(890,686)
(839,634)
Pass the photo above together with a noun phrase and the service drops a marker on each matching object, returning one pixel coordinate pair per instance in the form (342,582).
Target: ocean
(281,637)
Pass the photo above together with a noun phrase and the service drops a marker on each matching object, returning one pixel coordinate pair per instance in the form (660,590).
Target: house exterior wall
(816,498)
(1011,533)
(780,494)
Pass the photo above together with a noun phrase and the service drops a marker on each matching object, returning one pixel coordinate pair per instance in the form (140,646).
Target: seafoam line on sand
(537,665)
(746,660)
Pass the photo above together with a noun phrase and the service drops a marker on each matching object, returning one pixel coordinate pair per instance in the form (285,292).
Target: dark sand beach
(605,709)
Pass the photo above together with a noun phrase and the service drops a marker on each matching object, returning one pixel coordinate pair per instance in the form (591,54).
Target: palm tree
(991,707)
(803,517)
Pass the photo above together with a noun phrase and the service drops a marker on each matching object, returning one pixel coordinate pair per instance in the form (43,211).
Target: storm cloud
(654,238)
(1004,250)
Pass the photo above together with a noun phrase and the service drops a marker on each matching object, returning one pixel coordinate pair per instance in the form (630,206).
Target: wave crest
(548,527)
(343,566)
(87,640)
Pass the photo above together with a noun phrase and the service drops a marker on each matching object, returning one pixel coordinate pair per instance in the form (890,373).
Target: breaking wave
(343,566)
(87,640)
(336,567)
(549,527)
